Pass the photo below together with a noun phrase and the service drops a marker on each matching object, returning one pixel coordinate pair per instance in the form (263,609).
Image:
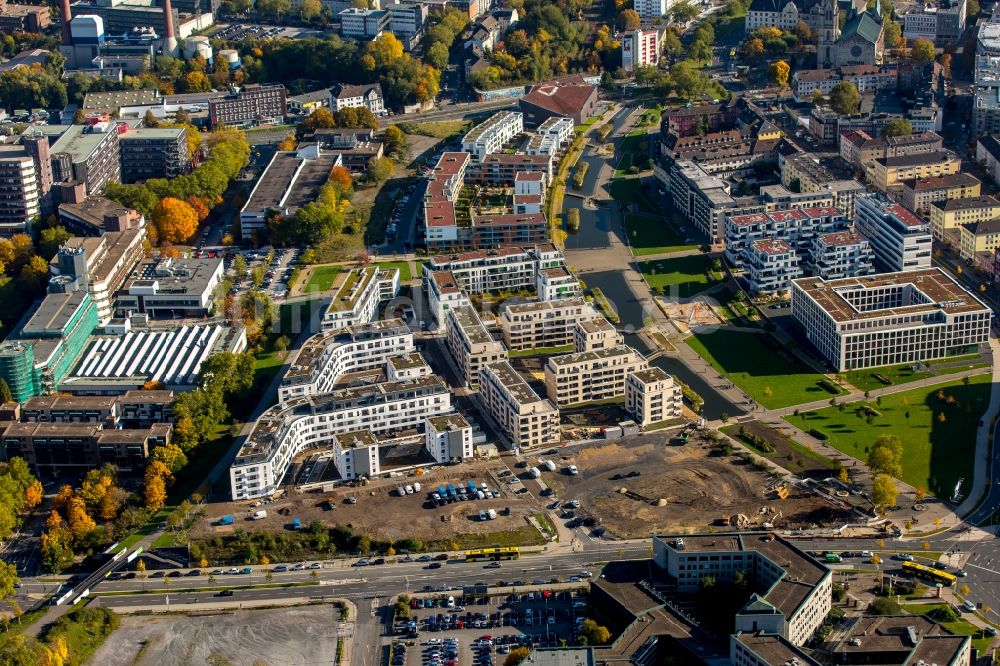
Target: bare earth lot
(277,637)
(380,513)
(698,488)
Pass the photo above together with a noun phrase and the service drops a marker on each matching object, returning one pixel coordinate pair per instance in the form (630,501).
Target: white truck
(259,515)
(535,472)
(549,465)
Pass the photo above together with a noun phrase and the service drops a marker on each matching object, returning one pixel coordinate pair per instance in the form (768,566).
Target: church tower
(827,33)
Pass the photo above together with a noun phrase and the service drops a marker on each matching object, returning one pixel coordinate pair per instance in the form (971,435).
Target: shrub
(818,434)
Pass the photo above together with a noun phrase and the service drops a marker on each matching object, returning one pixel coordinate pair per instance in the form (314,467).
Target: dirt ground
(697,487)
(276,637)
(380,513)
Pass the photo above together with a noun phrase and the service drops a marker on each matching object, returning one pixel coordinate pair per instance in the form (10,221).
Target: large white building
(651,10)
(449,438)
(652,396)
(493,134)
(543,323)
(589,376)
(889,319)
(797,227)
(900,239)
(312,421)
(325,357)
(526,419)
(771,265)
(356,301)
(470,343)
(640,48)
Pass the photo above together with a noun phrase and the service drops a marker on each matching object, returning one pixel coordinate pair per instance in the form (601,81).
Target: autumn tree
(516,656)
(288,143)
(5,393)
(386,50)
(341,179)
(753,48)
(24,249)
(885,456)
(380,169)
(884,491)
(395,141)
(175,220)
(628,19)
(321,118)
(922,50)
(50,239)
(35,274)
(155,485)
(893,34)
(779,72)
(845,98)
(310,9)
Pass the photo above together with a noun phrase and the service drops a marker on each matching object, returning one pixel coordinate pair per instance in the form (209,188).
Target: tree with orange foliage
(34,494)
(289,143)
(341,180)
(319,119)
(80,522)
(199,206)
(155,481)
(154,385)
(175,220)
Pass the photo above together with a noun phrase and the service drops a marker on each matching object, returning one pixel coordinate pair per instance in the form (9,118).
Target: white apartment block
(529,182)
(581,377)
(355,454)
(556,283)
(653,9)
(356,302)
(917,25)
(798,227)
(899,238)
(310,422)
(640,48)
(703,199)
(596,334)
(543,323)
(889,319)
(325,357)
(840,254)
(470,343)
(363,24)
(448,438)
(797,590)
(770,266)
(526,419)
(492,135)
(652,396)
(404,367)
(558,129)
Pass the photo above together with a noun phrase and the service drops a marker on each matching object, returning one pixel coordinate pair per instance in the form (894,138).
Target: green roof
(865,26)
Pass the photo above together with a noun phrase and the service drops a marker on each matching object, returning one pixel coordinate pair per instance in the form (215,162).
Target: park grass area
(322,278)
(781,449)
(876,378)
(629,192)
(936,453)
(441,129)
(980,640)
(733,307)
(650,235)
(540,351)
(403,266)
(587,124)
(680,276)
(763,368)
(633,152)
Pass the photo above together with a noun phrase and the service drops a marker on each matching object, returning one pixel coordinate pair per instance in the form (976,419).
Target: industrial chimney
(169,38)
(67,16)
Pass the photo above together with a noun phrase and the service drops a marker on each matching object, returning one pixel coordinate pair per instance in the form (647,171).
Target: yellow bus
(929,573)
(484,554)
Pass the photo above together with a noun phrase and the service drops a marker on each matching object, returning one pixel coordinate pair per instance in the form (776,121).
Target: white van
(451,602)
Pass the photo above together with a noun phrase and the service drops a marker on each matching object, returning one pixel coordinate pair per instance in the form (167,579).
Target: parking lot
(472,630)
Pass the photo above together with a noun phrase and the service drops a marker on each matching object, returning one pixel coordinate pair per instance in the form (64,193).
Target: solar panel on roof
(154,352)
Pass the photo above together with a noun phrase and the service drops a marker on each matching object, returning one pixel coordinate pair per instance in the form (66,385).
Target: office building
(491,135)
(470,343)
(172,288)
(889,319)
(800,171)
(20,190)
(54,448)
(407,19)
(940,21)
(590,376)
(900,639)
(596,334)
(159,152)
(901,240)
(527,420)
(356,301)
(134,409)
(543,323)
(89,154)
(652,396)
(840,254)
(764,649)
(363,24)
(283,431)
(701,198)
(448,438)
(253,104)
(327,356)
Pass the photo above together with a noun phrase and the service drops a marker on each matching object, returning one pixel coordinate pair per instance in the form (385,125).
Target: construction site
(646,484)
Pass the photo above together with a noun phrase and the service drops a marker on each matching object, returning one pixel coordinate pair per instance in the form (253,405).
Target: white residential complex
(492,135)
(526,419)
(889,319)
(596,334)
(650,10)
(448,438)
(471,344)
(770,266)
(312,421)
(590,376)
(356,301)
(652,396)
(641,48)
(840,254)
(900,239)
(798,227)
(325,357)
(543,323)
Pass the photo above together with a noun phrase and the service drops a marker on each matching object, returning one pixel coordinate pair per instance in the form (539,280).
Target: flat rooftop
(358,281)
(774,649)
(909,639)
(968,203)
(651,374)
(80,141)
(407,361)
(314,348)
(470,324)
(514,383)
(944,293)
(290,181)
(355,439)
(596,325)
(178,276)
(545,306)
(54,314)
(448,422)
(920,159)
(841,238)
(941,182)
(596,355)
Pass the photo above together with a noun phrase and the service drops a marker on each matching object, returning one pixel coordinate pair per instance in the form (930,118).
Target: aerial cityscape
(499,332)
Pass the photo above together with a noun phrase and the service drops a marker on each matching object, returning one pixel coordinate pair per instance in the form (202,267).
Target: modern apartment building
(356,301)
(770,265)
(407,366)
(651,10)
(888,173)
(491,135)
(555,283)
(544,323)
(701,198)
(652,396)
(800,171)
(90,154)
(327,356)
(640,48)
(581,377)
(21,189)
(442,191)
(840,254)
(501,169)
(309,422)
(158,152)
(953,213)
(470,343)
(355,454)
(527,420)
(491,231)
(901,240)
(888,319)
(251,105)
(596,334)
(449,438)
(792,590)
(918,195)
(798,227)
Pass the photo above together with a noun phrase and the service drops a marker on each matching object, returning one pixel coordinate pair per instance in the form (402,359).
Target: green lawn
(936,454)
(757,364)
(961,626)
(689,275)
(866,380)
(440,130)
(648,235)
(629,191)
(322,278)
(403,266)
(540,351)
